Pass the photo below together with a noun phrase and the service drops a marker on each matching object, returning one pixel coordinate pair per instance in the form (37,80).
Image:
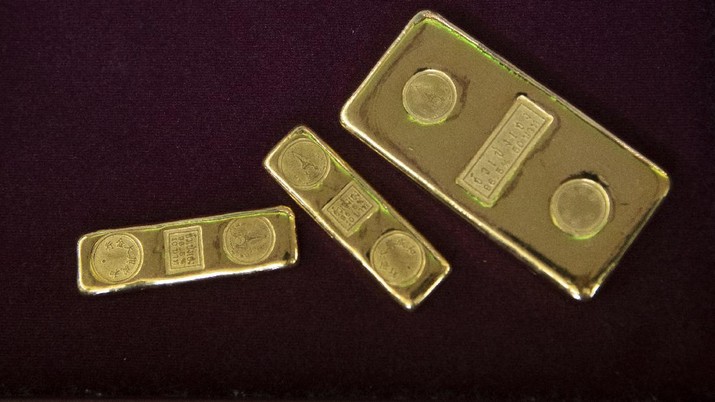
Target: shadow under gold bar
(517,161)
(186,250)
(353,213)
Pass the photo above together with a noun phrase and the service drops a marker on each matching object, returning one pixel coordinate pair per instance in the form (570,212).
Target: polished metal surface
(521,164)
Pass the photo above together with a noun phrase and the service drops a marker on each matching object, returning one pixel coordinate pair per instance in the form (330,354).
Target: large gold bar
(187,250)
(354,214)
(517,161)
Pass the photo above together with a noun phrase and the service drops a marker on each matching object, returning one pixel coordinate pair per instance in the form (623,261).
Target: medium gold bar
(521,164)
(353,213)
(187,250)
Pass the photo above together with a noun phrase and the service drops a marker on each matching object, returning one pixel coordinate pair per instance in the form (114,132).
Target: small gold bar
(517,161)
(353,213)
(187,250)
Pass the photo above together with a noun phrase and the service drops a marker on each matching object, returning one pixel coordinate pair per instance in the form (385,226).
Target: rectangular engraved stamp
(183,250)
(350,208)
(497,161)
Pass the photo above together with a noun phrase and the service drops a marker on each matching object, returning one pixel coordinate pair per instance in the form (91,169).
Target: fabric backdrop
(115,114)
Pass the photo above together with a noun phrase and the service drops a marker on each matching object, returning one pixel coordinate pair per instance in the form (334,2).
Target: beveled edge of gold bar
(579,291)
(188,276)
(407,303)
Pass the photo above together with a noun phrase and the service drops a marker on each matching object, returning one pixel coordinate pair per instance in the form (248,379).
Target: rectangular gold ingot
(521,164)
(353,213)
(181,251)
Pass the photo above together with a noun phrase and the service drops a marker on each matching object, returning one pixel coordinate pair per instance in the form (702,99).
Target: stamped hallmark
(116,258)
(429,96)
(488,173)
(304,164)
(248,240)
(398,258)
(183,250)
(350,208)
(580,208)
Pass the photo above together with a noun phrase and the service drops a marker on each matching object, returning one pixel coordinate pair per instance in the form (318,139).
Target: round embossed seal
(304,164)
(429,96)
(116,258)
(580,207)
(248,240)
(398,258)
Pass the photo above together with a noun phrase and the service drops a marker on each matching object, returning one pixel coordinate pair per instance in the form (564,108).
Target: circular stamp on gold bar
(248,240)
(116,258)
(580,207)
(398,258)
(429,96)
(304,164)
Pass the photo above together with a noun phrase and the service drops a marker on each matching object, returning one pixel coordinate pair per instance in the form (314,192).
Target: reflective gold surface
(181,251)
(514,159)
(406,265)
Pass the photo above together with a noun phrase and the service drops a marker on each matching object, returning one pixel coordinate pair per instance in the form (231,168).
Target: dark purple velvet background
(118,114)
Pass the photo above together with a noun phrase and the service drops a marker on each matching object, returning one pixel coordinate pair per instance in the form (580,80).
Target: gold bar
(521,164)
(353,213)
(187,250)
